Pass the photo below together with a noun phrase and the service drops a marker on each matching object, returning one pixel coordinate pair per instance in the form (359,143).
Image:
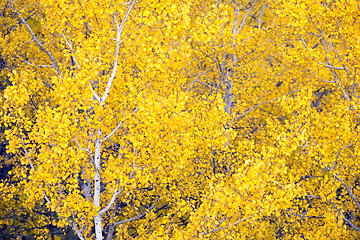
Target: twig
(303,41)
(304,216)
(332,67)
(344,218)
(78,144)
(39,66)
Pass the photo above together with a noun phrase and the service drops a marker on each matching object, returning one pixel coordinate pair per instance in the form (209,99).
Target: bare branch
(259,104)
(349,192)
(114,131)
(118,35)
(96,96)
(312,196)
(137,217)
(303,41)
(71,50)
(112,200)
(351,224)
(39,66)
(78,233)
(336,52)
(304,216)
(78,144)
(233,224)
(246,16)
(261,13)
(341,88)
(337,157)
(51,87)
(200,74)
(332,67)
(41,46)
(217,225)
(46,198)
(344,218)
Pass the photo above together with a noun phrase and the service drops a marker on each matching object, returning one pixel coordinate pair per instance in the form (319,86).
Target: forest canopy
(179,119)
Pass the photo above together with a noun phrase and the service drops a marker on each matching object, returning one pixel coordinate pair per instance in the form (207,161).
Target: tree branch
(259,104)
(112,200)
(351,224)
(118,35)
(78,233)
(349,192)
(230,225)
(244,19)
(114,131)
(137,217)
(41,46)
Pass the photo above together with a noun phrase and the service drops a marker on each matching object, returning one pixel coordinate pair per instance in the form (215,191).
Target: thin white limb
(171,46)
(332,67)
(351,194)
(78,233)
(78,144)
(336,52)
(230,225)
(341,88)
(303,41)
(200,74)
(259,104)
(112,200)
(261,13)
(337,157)
(244,19)
(351,224)
(118,35)
(95,96)
(71,50)
(137,217)
(344,218)
(39,66)
(41,46)
(114,131)
(217,225)
(302,215)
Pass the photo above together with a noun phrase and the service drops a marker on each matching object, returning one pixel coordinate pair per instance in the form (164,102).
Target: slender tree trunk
(97,181)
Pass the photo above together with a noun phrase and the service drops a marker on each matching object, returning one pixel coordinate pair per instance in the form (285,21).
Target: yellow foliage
(183,119)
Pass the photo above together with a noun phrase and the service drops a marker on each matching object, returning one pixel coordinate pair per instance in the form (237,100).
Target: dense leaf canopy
(178,119)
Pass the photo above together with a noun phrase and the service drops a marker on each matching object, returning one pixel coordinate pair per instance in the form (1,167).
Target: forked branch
(118,35)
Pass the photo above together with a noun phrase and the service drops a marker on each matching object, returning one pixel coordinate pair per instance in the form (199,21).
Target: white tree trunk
(97,181)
